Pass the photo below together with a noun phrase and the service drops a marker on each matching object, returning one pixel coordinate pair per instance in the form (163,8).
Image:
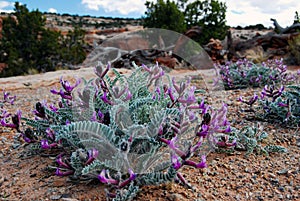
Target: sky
(239,12)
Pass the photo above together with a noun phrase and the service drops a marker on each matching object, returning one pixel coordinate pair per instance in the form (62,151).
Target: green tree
(165,15)
(72,51)
(19,41)
(208,14)
(26,44)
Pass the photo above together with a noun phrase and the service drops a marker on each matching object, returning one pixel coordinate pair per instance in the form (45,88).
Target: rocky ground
(27,176)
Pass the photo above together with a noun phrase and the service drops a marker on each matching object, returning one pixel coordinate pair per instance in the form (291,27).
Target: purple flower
(62,93)
(128,96)
(263,94)
(7,98)
(106,179)
(58,172)
(241,99)
(28,136)
(161,130)
(5,124)
(39,110)
(177,88)
(204,131)
(258,79)
(225,142)
(171,145)
(191,94)
(253,100)
(26,139)
(132,175)
(94,116)
(281,104)
(170,92)
(191,115)
(104,98)
(199,143)
(200,105)
(67,86)
(146,68)
(61,162)
(16,120)
(53,108)
(201,164)
(92,155)
(226,130)
(45,144)
(50,133)
(281,89)
(4,114)
(175,162)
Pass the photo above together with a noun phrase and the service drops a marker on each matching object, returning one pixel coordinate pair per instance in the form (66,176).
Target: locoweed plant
(249,139)
(279,105)
(244,74)
(125,131)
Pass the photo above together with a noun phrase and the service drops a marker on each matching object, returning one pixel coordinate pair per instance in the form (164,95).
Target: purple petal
(61,163)
(58,172)
(132,175)
(45,144)
(175,162)
(202,164)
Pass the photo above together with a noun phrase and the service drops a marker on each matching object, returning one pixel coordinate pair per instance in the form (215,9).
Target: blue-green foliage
(244,74)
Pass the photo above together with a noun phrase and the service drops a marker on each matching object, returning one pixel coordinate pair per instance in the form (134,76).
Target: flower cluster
(276,104)
(243,74)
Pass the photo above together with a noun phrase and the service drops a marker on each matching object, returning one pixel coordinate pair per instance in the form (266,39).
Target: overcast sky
(243,12)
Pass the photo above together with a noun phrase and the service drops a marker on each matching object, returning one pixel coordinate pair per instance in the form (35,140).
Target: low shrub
(244,74)
(278,105)
(129,131)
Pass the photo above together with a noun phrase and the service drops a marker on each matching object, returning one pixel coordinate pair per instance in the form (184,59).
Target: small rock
(272,175)
(55,197)
(176,197)
(283,171)
(69,199)
(281,188)
(15,145)
(298,142)
(288,196)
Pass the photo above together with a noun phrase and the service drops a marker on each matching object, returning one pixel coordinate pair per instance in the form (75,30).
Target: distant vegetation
(27,46)
(208,14)
(255,27)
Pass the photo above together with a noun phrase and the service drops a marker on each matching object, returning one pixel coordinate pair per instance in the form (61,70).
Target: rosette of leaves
(128,130)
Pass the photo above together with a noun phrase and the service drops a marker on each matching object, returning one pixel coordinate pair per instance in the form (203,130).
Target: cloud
(6,6)
(52,10)
(254,12)
(123,7)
